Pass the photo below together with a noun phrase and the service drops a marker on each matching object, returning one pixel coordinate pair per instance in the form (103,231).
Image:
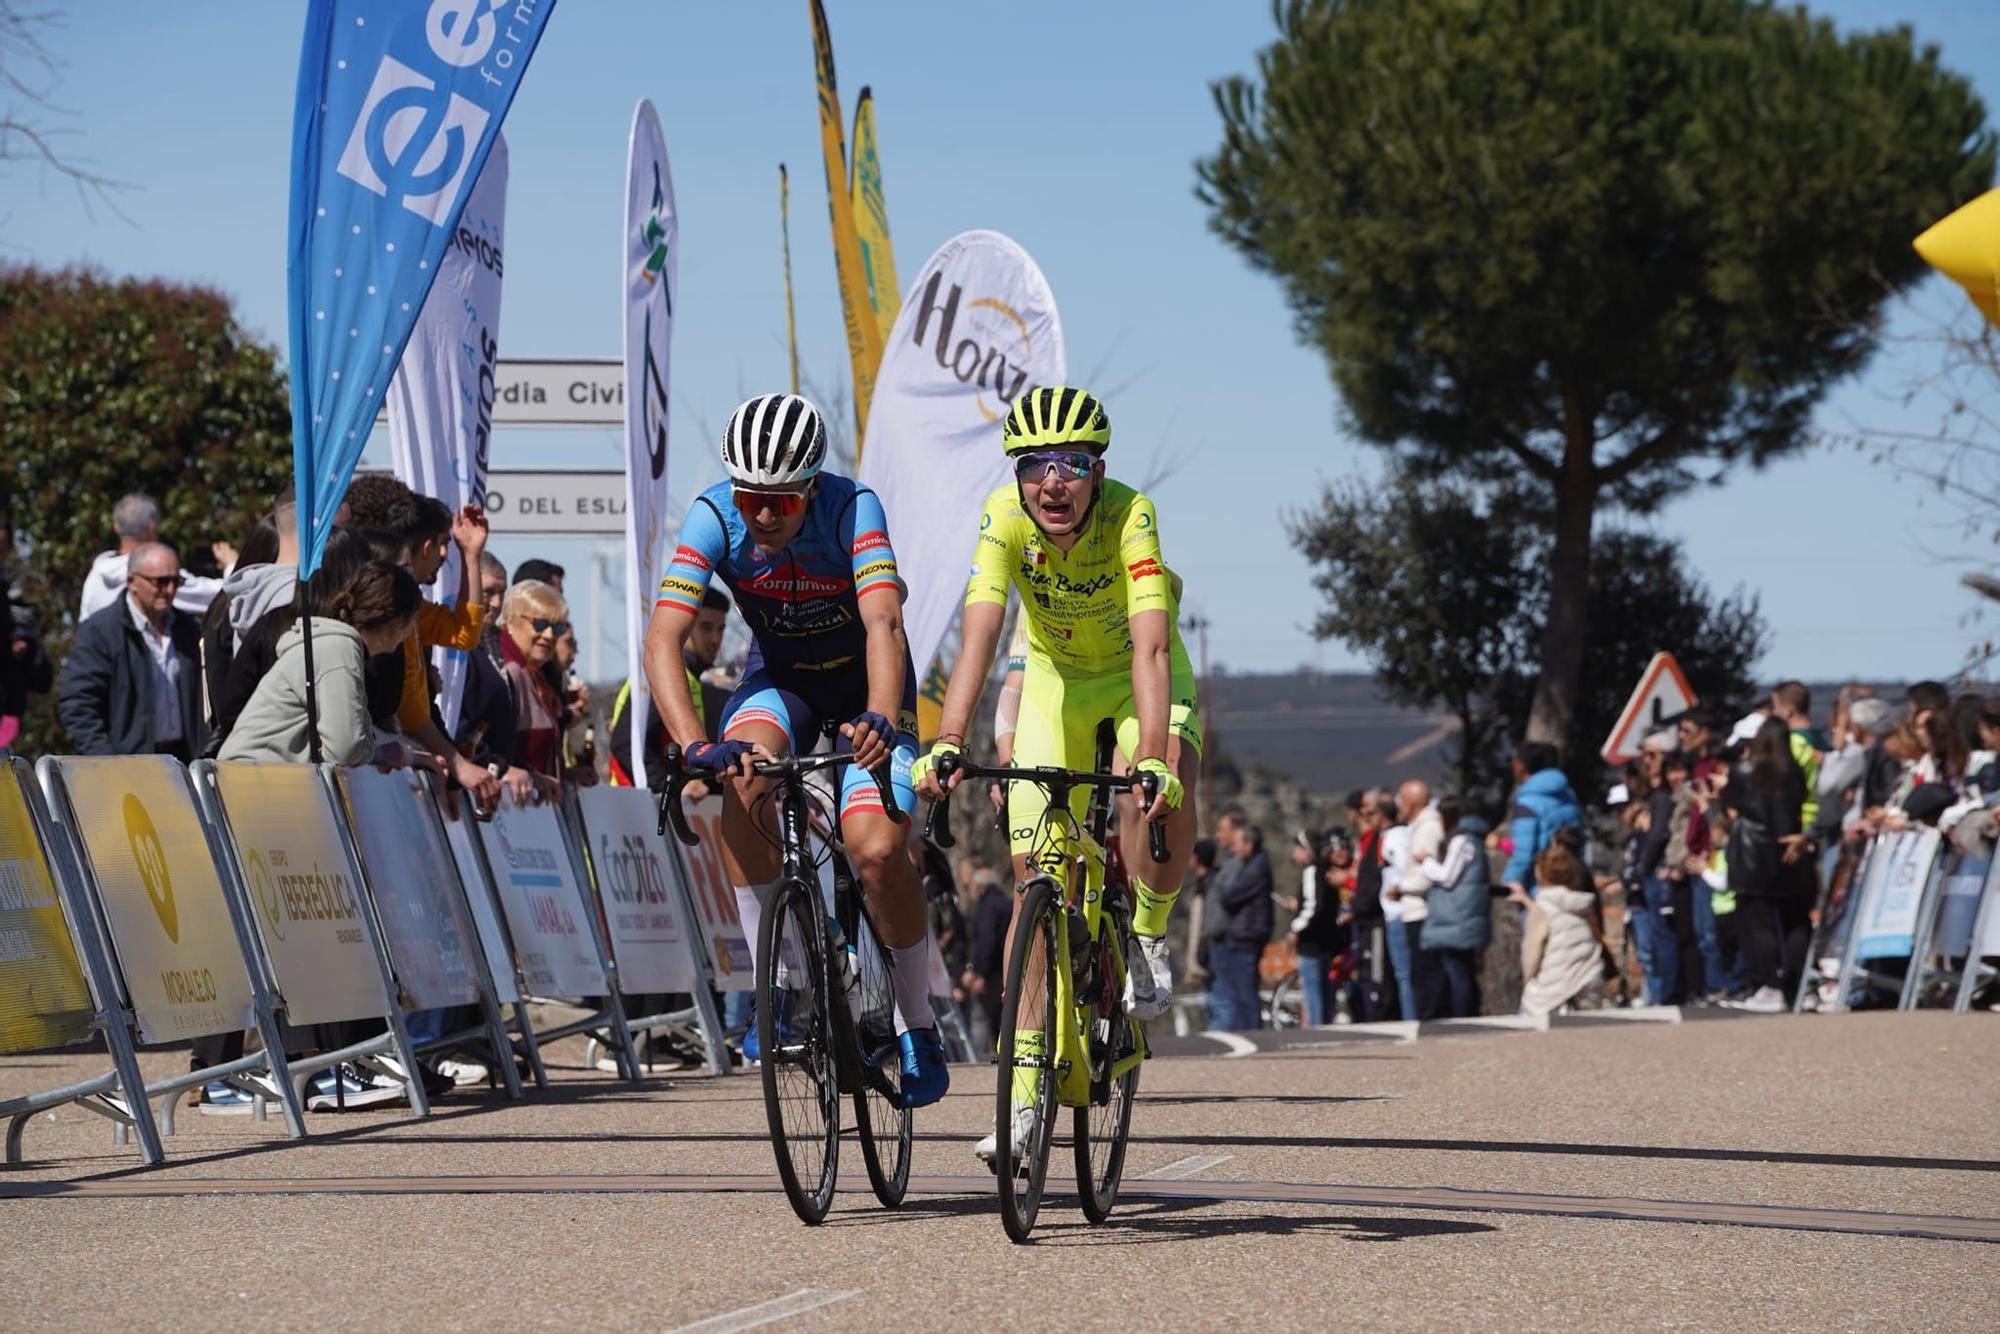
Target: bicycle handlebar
(785,766)
(937,826)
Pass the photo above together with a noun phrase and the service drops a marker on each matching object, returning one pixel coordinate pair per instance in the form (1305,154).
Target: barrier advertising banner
(651,269)
(978,328)
(641,906)
(301,891)
(1964,886)
(492,939)
(417,895)
(731,958)
(148,852)
(441,401)
(44,999)
(398,105)
(545,910)
(1893,893)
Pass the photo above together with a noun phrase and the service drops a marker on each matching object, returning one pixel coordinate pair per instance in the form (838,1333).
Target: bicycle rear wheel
(795,1029)
(1099,1132)
(883,1125)
(1030,1007)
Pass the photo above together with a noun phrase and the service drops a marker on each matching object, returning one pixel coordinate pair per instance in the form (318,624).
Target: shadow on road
(1140,1222)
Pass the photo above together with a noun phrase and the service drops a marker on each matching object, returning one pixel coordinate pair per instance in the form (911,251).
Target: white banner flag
(651,259)
(978,327)
(441,401)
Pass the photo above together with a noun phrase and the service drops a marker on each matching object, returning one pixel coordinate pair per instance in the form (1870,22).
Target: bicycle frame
(1076,855)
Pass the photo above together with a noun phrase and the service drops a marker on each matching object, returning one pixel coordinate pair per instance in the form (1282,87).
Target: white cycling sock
(750,901)
(910,978)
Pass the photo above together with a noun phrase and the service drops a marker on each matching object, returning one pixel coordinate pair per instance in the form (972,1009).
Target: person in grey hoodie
(372,614)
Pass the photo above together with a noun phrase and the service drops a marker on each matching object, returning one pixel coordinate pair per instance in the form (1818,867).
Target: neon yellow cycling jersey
(1078,603)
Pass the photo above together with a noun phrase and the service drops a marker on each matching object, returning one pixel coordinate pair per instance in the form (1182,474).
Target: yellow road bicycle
(1066,983)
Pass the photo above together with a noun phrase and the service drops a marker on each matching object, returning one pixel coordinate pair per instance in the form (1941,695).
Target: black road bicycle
(826,1016)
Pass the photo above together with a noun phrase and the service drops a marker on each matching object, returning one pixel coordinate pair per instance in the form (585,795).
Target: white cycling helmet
(774,440)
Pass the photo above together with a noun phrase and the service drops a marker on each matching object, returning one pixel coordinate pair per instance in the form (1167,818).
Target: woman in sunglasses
(532,619)
(1101,607)
(806,554)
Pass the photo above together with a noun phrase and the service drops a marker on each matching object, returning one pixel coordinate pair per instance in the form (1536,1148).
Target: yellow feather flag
(864,335)
(1965,247)
(785,231)
(871,216)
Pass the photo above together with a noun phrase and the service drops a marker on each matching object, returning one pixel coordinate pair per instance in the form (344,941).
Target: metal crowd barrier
(1918,918)
(143,903)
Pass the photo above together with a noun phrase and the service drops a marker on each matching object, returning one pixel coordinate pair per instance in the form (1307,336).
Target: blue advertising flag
(399,102)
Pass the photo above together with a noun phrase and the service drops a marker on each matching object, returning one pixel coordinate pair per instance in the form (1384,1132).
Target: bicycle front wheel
(795,1030)
(883,1124)
(1027,1043)
(1100,1131)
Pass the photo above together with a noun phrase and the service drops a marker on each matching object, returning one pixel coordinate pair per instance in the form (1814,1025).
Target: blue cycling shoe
(753,1046)
(925,1075)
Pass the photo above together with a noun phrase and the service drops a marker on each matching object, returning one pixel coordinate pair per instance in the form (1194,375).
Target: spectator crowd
(1698,880)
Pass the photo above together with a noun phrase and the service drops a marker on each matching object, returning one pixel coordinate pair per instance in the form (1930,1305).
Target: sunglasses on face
(1069,464)
(161,580)
(543,625)
(784,504)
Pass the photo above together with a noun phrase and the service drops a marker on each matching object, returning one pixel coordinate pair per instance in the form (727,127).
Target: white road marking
(1183,1168)
(1238,1044)
(764,1313)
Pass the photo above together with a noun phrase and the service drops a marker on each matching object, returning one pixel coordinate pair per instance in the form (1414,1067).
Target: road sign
(570,502)
(1663,693)
(539,392)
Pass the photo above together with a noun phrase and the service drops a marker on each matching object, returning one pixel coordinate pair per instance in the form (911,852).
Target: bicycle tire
(1287,1003)
(1034,940)
(1100,1131)
(800,1075)
(884,1127)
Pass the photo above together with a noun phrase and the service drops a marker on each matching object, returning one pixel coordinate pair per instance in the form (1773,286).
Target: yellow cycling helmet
(1056,415)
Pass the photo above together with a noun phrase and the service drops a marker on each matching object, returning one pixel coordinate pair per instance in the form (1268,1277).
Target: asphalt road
(1833,1171)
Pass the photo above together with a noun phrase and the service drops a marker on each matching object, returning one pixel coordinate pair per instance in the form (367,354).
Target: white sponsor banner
(417,895)
(978,327)
(650,255)
(302,891)
(148,851)
(465,854)
(641,902)
(440,404)
(536,879)
(1892,893)
(730,956)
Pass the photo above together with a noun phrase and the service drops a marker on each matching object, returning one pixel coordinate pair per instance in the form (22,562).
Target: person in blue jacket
(1543,803)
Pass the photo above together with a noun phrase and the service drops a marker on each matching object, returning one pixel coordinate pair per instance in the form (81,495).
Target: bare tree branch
(29,73)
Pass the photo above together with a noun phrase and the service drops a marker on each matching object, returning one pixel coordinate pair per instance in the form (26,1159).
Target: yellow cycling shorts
(1058,726)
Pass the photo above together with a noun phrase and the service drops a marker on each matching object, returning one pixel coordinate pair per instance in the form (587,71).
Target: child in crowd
(1562,951)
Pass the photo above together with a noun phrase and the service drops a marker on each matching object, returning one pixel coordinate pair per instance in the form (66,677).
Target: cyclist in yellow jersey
(1100,606)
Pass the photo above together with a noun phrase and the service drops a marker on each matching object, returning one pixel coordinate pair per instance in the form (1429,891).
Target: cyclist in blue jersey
(806,554)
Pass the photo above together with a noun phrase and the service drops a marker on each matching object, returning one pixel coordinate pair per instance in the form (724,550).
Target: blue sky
(1073,128)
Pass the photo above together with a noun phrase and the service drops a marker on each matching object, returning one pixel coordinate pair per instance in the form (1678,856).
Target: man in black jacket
(1237,944)
(132,682)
